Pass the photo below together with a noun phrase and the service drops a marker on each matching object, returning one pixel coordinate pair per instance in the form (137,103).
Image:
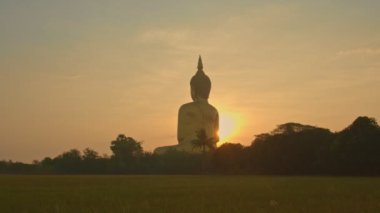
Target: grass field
(188,194)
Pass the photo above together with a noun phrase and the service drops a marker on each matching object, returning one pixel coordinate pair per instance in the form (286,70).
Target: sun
(229,125)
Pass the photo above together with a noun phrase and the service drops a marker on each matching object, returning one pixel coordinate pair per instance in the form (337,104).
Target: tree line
(290,149)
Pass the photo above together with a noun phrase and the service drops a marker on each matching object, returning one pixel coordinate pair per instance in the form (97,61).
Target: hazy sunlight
(229,126)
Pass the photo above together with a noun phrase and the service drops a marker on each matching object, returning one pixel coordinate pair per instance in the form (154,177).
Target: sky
(75,74)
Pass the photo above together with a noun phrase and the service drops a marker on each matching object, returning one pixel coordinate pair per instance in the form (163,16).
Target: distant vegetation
(290,149)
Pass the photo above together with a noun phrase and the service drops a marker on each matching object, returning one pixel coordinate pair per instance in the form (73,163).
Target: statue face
(196,94)
(200,87)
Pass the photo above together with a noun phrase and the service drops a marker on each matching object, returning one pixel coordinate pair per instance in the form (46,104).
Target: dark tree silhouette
(357,147)
(89,154)
(92,162)
(126,152)
(291,148)
(230,158)
(69,162)
(126,147)
(203,142)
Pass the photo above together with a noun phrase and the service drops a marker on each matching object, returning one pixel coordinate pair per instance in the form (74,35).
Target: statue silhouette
(196,116)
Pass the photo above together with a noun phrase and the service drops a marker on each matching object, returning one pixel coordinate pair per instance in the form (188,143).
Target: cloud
(230,33)
(181,39)
(172,36)
(366,51)
(72,77)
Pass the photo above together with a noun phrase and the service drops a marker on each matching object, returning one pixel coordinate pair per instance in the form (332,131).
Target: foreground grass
(188,194)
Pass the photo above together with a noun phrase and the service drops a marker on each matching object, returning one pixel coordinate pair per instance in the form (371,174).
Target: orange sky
(74,75)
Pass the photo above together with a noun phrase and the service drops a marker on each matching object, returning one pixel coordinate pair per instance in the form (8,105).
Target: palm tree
(203,141)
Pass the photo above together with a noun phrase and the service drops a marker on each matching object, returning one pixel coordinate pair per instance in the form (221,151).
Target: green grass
(188,194)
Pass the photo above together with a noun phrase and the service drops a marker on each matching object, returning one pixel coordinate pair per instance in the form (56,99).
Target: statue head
(200,83)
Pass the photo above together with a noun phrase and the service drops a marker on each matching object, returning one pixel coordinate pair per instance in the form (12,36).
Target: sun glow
(229,126)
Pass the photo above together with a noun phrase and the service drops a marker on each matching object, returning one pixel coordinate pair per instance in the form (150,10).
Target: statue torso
(195,116)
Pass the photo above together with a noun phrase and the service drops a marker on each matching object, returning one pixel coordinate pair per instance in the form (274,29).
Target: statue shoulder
(193,106)
(213,109)
(186,106)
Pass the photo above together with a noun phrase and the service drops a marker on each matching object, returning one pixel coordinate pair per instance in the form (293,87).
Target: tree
(69,162)
(356,148)
(92,162)
(230,158)
(126,147)
(290,128)
(126,152)
(291,148)
(203,141)
(89,154)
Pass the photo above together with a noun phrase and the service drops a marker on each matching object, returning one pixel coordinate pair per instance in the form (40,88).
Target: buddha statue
(196,116)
